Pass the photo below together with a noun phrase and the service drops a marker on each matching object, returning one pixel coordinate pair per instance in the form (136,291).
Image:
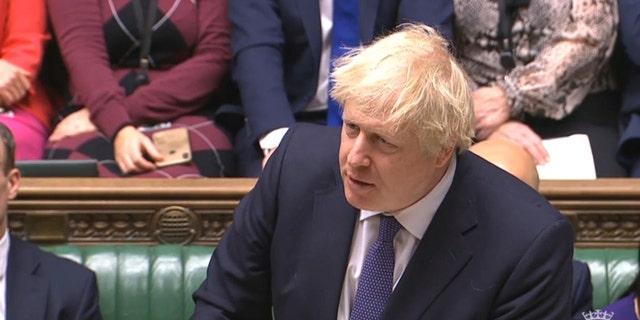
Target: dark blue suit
(277,47)
(495,249)
(629,146)
(43,286)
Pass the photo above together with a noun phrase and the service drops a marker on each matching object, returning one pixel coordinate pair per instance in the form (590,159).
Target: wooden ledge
(101,210)
(115,188)
(604,212)
(610,189)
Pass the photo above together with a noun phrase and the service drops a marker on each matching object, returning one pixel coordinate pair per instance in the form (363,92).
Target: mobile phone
(174,145)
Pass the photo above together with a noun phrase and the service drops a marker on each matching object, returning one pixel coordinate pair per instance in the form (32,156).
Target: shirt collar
(4,253)
(417,217)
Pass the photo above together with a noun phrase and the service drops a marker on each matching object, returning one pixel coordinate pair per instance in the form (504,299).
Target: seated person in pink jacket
(24,103)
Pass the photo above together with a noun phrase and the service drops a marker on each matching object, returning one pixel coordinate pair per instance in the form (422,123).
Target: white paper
(571,158)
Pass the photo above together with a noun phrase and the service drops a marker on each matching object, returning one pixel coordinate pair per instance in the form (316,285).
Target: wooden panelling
(86,210)
(604,212)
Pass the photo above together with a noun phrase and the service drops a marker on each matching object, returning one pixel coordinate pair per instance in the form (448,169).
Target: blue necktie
(345,35)
(376,278)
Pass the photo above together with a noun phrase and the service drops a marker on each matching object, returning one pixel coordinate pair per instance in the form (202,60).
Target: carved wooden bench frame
(604,212)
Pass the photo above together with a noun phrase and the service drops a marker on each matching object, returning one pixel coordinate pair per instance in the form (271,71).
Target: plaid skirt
(212,153)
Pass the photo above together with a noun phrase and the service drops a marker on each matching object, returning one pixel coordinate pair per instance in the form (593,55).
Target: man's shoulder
(310,141)
(503,193)
(310,132)
(308,155)
(49,263)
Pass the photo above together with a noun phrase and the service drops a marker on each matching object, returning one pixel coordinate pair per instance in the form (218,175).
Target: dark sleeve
(79,30)
(628,153)
(629,145)
(238,282)
(258,68)
(556,81)
(540,285)
(89,306)
(630,28)
(435,13)
(581,290)
(188,86)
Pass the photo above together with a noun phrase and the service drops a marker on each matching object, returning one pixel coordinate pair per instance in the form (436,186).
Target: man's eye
(384,141)
(351,127)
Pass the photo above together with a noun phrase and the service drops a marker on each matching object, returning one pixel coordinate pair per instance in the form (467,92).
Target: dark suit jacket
(42,286)
(495,249)
(581,290)
(277,47)
(628,154)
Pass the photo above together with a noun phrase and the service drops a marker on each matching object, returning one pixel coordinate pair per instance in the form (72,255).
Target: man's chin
(360,201)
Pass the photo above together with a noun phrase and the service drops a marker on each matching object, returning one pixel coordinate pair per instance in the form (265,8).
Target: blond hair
(410,81)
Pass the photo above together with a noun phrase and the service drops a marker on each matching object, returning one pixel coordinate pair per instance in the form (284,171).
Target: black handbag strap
(507,9)
(145,31)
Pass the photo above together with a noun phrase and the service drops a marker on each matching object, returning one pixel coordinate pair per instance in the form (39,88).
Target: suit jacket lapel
(26,293)
(441,254)
(332,229)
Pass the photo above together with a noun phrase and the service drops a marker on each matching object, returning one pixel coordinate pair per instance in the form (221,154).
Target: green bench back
(139,282)
(612,272)
(143,282)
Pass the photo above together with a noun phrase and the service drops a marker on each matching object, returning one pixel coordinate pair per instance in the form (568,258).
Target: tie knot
(389,226)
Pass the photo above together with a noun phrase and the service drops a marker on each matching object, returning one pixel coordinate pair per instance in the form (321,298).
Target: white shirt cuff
(272,140)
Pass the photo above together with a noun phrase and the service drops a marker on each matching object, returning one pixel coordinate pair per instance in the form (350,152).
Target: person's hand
(14,83)
(130,147)
(491,109)
(75,123)
(521,134)
(267,156)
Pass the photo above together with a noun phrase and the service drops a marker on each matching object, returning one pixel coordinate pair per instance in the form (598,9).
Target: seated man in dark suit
(282,54)
(391,217)
(514,159)
(36,285)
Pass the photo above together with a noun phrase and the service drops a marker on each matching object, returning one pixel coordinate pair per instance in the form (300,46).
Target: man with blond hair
(391,217)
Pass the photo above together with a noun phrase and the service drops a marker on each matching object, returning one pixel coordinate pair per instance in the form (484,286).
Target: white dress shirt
(414,220)
(4,256)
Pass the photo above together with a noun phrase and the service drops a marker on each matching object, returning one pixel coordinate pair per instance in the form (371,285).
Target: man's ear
(13,183)
(445,156)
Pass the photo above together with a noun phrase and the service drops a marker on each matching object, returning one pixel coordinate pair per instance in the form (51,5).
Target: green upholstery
(143,282)
(139,282)
(612,272)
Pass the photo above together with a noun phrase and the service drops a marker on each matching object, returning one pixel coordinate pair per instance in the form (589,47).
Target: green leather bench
(139,282)
(612,272)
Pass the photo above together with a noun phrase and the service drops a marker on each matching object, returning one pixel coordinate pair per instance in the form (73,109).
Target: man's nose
(359,153)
